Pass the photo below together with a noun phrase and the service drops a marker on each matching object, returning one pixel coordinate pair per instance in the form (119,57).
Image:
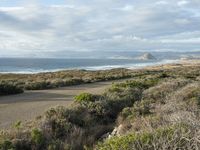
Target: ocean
(102,62)
(37,65)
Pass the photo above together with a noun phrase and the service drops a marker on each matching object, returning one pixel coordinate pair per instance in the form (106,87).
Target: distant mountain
(190,57)
(146,56)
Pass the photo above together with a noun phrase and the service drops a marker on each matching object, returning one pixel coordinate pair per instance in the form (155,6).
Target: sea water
(36,65)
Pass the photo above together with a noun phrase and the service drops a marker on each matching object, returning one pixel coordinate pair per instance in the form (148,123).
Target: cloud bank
(42,29)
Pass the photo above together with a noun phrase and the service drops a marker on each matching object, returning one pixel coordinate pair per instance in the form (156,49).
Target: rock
(147,56)
(105,136)
(117,130)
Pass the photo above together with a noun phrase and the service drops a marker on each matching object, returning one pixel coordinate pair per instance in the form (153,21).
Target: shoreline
(133,66)
(136,67)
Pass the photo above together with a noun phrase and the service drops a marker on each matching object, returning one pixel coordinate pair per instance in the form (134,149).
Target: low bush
(140,108)
(37,137)
(56,145)
(7,89)
(173,137)
(37,85)
(161,91)
(6,145)
(84,98)
(141,84)
(191,91)
(50,80)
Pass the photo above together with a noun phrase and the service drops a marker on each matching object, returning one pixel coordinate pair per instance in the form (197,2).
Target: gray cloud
(100,25)
(10,22)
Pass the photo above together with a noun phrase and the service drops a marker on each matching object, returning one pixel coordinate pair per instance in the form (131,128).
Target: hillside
(157,110)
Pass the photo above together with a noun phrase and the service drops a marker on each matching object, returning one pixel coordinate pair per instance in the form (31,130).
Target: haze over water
(36,65)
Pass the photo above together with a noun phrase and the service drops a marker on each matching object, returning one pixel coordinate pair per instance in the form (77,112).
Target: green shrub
(37,85)
(164,75)
(37,137)
(164,138)
(17,125)
(98,108)
(22,144)
(6,145)
(7,89)
(58,120)
(141,84)
(56,145)
(126,113)
(160,92)
(58,112)
(140,108)
(129,94)
(63,78)
(192,91)
(84,98)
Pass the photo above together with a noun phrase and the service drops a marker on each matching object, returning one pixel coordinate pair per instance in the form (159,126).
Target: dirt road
(31,104)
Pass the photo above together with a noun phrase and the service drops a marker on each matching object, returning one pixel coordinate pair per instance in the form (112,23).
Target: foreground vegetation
(58,79)
(8,89)
(157,109)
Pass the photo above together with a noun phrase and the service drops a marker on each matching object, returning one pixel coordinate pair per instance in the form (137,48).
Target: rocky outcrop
(117,131)
(146,56)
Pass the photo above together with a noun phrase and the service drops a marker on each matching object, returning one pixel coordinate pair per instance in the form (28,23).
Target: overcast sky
(44,27)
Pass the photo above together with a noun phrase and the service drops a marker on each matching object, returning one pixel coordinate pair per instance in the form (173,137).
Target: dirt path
(31,104)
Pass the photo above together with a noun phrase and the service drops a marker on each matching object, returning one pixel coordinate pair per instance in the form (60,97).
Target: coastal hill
(146,56)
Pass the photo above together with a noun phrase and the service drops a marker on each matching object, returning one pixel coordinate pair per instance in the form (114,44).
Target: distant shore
(180,63)
(147,64)
(34,66)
